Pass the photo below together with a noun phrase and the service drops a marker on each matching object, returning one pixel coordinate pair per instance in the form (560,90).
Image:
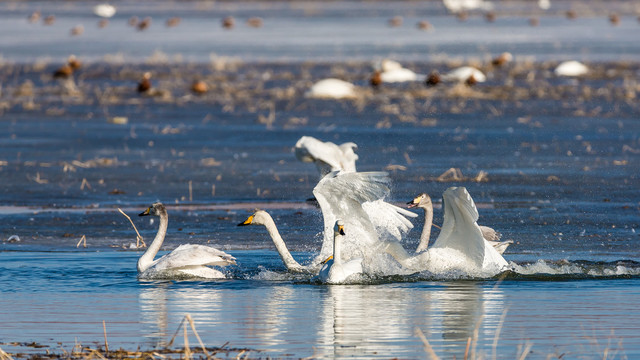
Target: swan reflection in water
(362,321)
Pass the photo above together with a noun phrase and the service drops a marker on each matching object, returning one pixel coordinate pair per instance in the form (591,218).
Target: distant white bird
(571,68)
(390,71)
(331,89)
(544,4)
(463,74)
(460,246)
(336,270)
(186,260)
(104,10)
(327,156)
(456,6)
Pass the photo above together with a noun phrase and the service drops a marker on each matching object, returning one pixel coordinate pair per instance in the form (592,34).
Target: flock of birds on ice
(362,233)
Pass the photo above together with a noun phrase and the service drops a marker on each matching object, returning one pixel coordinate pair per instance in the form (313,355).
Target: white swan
(261,217)
(571,68)
(327,156)
(423,201)
(104,10)
(390,71)
(460,247)
(335,270)
(456,6)
(358,199)
(464,73)
(186,260)
(331,89)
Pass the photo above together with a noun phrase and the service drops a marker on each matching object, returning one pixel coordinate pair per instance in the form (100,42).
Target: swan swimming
(571,68)
(463,74)
(327,156)
(335,270)
(331,89)
(104,10)
(460,246)
(423,201)
(261,217)
(186,260)
(390,71)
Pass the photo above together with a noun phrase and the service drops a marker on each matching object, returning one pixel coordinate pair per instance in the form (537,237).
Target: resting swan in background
(327,156)
(261,217)
(185,260)
(332,89)
(423,201)
(460,245)
(335,270)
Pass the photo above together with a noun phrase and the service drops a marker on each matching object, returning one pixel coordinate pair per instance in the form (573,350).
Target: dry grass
(80,352)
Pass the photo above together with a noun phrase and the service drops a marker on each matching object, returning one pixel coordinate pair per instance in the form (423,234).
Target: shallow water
(562,183)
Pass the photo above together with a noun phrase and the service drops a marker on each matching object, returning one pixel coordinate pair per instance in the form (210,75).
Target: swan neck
(146,260)
(426,230)
(283,251)
(337,251)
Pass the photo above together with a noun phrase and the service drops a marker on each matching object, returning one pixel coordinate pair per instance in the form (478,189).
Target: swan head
(259,217)
(156,209)
(338,228)
(422,201)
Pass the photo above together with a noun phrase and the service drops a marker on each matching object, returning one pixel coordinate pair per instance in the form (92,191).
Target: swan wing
(188,255)
(390,220)
(340,196)
(460,230)
(326,155)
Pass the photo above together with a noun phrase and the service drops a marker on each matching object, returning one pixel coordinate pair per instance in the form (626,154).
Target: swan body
(331,89)
(456,6)
(463,74)
(390,71)
(104,10)
(327,156)
(460,246)
(261,217)
(424,202)
(186,260)
(571,68)
(335,270)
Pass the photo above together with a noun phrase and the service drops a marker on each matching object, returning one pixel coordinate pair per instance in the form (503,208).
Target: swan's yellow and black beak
(413,203)
(247,222)
(327,260)
(146,212)
(341,229)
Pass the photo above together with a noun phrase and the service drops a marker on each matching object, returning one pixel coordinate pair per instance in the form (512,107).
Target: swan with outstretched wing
(460,246)
(327,156)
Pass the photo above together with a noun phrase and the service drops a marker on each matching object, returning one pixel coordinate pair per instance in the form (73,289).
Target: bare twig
(83,241)
(190,191)
(498,330)
(139,239)
(4,355)
(85,183)
(106,344)
(427,347)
